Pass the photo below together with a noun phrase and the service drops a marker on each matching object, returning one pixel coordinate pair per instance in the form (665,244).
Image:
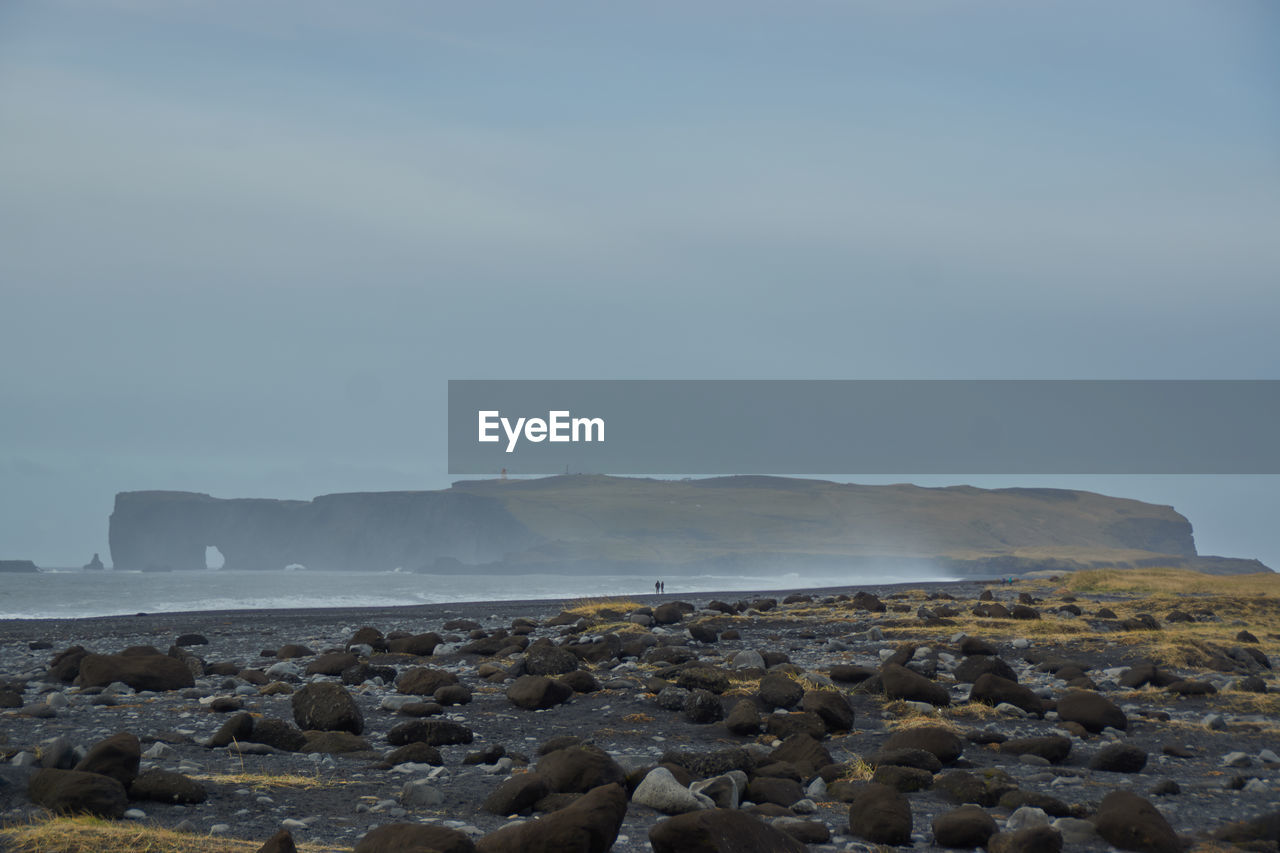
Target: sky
(244,244)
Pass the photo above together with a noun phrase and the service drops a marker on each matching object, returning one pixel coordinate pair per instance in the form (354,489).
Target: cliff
(24,566)
(593,523)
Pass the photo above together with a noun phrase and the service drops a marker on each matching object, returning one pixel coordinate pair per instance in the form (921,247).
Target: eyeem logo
(558,426)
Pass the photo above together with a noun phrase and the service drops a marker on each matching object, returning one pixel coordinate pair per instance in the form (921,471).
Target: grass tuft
(84,834)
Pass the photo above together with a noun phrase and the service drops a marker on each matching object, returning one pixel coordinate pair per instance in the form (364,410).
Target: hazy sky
(243,245)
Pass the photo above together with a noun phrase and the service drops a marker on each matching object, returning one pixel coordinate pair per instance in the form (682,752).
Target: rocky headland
(616,525)
(1129,710)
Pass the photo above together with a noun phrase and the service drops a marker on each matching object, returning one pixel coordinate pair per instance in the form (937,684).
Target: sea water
(71,594)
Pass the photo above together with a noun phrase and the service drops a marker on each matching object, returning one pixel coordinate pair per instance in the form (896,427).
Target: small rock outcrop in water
(18,566)
(94,565)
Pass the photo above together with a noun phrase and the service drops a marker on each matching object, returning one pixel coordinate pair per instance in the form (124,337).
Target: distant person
(657,587)
(662,586)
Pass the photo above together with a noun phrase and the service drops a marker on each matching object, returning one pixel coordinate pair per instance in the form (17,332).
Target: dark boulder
(542,658)
(332,664)
(1131,823)
(1119,758)
(991,689)
(74,792)
(414,838)
(419,645)
(578,769)
(831,706)
(902,683)
(1052,748)
(720,831)
(327,707)
(516,795)
(141,672)
(588,825)
(117,756)
(431,732)
(779,691)
(880,815)
(702,707)
(942,742)
(423,681)
(1091,710)
(165,786)
(537,692)
(966,827)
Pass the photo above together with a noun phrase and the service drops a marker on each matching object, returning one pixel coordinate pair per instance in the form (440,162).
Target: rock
(423,681)
(703,678)
(1075,830)
(1036,839)
(1026,817)
(668,614)
(65,666)
(516,795)
(581,681)
(942,742)
(779,691)
(537,692)
(432,732)
(991,689)
(703,706)
(659,790)
(75,791)
(831,706)
(1052,748)
(975,666)
(414,838)
(416,752)
(766,789)
(920,759)
(419,645)
(880,815)
(237,727)
(141,672)
(326,707)
(966,827)
(117,756)
(542,658)
(784,725)
(1091,710)
(747,659)
(590,825)
(281,842)
(421,794)
(904,779)
(720,831)
(191,640)
(277,733)
(332,664)
(724,791)
(165,786)
(578,769)
(902,683)
(804,831)
(1264,828)
(982,787)
(334,743)
(744,719)
(1119,758)
(292,650)
(803,751)
(1187,687)
(1131,823)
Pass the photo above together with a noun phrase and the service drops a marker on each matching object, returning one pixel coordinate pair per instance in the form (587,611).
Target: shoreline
(431,610)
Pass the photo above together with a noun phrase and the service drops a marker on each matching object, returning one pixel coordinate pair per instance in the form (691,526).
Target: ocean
(72,594)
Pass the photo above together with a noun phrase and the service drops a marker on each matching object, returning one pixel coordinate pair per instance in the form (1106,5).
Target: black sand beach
(802,704)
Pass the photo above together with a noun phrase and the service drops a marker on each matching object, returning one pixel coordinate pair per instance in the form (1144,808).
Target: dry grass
(859,771)
(601,608)
(1173,581)
(94,835)
(268,781)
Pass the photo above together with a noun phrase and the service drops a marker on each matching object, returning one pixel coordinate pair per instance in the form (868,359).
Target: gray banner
(821,427)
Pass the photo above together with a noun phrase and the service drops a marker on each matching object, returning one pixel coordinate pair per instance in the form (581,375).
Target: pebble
(135,814)
(1216,722)
(220,829)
